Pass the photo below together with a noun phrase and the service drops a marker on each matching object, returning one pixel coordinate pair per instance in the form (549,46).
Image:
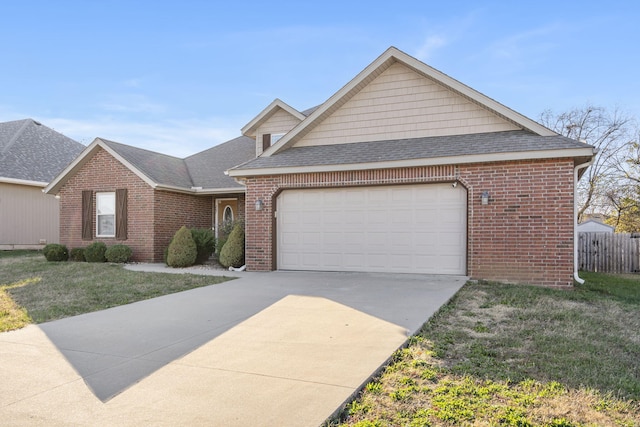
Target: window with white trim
(106,214)
(275,137)
(227,216)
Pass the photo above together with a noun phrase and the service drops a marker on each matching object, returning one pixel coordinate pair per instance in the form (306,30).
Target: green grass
(509,355)
(33,290)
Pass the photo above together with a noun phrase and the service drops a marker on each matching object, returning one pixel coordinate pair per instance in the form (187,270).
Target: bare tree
(610,132)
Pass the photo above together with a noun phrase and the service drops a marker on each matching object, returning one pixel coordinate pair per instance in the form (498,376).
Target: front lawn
(33,290)
(509,355)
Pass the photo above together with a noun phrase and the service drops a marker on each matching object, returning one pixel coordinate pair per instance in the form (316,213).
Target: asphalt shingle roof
(207,167)
(414,148)
(204,169)
(31,151)
(161,168)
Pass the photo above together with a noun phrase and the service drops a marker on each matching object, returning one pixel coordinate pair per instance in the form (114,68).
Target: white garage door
(401,228)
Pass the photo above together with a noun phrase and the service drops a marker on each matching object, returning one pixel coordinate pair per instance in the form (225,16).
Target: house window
(275,137)
(227,216)
(106,214)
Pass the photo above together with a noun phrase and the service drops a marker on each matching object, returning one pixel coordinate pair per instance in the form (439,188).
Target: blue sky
(179,77)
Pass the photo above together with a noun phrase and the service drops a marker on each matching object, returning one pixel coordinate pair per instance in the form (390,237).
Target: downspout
(575,219)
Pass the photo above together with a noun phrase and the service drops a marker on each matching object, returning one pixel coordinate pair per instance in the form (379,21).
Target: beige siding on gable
(398,104)
(28,217)
(279,122)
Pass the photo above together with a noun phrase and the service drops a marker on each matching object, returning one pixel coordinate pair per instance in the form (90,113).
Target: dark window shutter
(121,214)
(266,141)
(87,215)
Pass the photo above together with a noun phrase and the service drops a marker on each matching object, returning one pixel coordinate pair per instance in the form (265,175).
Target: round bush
(118,253)
(55,252)
(95,252)
(182,249)
(77,254)
(232,253)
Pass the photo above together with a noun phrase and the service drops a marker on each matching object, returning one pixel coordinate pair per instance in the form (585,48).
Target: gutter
(576,277)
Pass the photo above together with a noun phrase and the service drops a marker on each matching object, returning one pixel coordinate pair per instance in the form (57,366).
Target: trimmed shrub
(55,252)
(232,253)
(205,243)
(77,254)
(182,249)
(223,235)
(118,253)
(95,252)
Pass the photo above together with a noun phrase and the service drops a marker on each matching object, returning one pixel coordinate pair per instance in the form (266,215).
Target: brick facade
(153,216)
(524,234)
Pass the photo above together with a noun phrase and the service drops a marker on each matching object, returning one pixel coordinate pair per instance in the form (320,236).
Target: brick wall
(172,211)
(525,233)
(104,173)
(153,216)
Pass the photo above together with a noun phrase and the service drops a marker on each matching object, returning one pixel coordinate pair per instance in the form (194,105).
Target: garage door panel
(375,239)
(404,228)
(377,216)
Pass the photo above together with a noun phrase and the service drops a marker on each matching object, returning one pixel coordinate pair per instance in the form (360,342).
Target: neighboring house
(31,155)
(593,226)
(403,170)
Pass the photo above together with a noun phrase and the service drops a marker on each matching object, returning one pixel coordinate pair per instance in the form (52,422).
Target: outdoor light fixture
(485,197)
(259,205)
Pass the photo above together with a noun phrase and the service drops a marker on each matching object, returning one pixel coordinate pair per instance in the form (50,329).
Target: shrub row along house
(403,170)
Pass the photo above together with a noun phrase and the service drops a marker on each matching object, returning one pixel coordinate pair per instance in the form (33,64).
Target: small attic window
(275,137)
(268,139)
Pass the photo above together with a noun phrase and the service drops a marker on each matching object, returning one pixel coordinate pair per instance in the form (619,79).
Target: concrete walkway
(268,349)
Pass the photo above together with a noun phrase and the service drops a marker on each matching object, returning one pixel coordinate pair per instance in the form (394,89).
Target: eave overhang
(575,153)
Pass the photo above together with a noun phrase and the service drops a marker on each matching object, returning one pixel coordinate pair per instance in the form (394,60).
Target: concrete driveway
(268,349)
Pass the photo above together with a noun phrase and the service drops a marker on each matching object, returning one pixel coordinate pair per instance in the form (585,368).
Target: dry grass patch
(416,390)
(508,355)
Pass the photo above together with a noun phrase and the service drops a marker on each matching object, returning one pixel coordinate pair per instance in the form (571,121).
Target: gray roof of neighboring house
(204,169)
(413,148)
(30,151)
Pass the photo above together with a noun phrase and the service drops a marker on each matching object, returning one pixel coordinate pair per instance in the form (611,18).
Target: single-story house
(593,226)
(403,170)
(31,155)
(117,193)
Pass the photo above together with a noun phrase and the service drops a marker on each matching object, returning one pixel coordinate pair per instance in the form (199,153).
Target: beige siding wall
(279,122)
(28,217)
(400,103)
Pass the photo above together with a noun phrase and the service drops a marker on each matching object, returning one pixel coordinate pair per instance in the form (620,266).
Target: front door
(226,212)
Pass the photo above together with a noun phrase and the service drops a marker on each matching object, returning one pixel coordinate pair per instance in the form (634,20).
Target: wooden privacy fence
(609,252)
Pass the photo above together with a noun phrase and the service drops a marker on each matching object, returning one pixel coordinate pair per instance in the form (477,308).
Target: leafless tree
(611,132)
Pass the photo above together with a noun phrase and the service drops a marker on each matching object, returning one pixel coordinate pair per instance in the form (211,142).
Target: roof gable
(32,152)
(276,107)
(384,62)
(200,173)
(399,104)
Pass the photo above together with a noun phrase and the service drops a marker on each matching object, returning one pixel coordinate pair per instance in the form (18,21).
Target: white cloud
(178,138)
(530,44)
(131,103)
(430,45)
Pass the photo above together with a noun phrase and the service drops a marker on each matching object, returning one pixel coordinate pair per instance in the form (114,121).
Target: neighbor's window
(106,214)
